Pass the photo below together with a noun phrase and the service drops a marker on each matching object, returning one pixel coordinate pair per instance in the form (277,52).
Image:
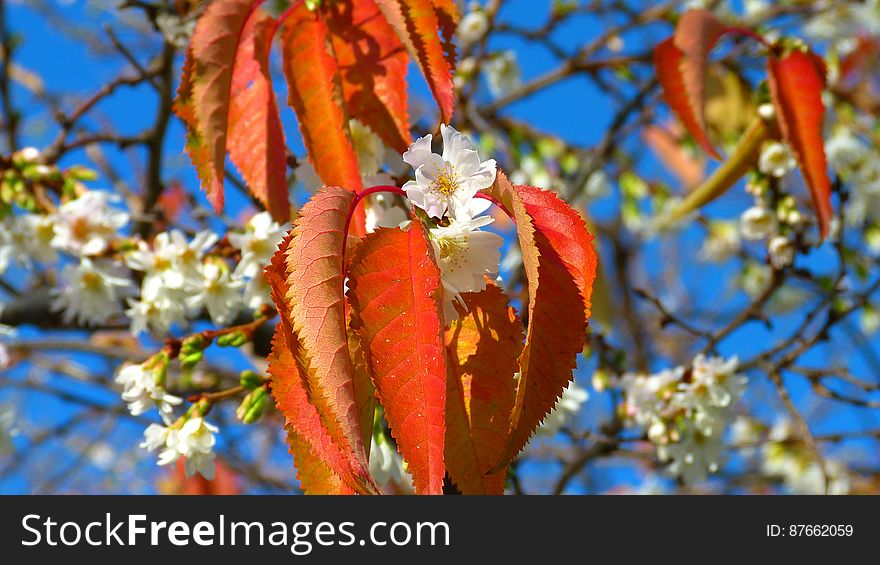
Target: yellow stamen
(447,182)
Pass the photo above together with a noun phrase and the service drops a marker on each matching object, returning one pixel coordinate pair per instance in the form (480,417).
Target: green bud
(191,359)
(258,405)
(251,380)
(252,406)
(233,339)
(313,5)
(80,173)
(193,344)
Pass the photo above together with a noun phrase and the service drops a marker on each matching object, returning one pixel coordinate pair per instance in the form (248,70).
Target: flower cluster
(143,387)
(762,221)
(792,461)
(445,187)
(181,277)
(685,411)
(193,439)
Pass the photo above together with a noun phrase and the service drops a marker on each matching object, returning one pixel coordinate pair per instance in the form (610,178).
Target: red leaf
(560,265)
(372,64)
(307,286)
(205,92)
(256,140)
(796,83)
(394,288)
(417,23)
(681,68)
(482,350)
(315,94)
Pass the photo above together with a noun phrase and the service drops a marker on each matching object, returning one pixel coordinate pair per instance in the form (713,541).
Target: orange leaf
(417,23)
(307,285)
(560,265)
(320,462)
(394,288)
(322,466)
(372,64)
(315,94)
(796,83)
(668,149)
(482,349)
(225,95)
(681,68)
(256,140)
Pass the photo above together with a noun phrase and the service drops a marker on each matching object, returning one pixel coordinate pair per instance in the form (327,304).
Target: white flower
(141,391)
(767,111)
(194,440)
(257,243)
(776,160)
(745,431)
(27,155)
(465,256)
(866,179)
(757,223)
(502,73)
(448,181)
(694,455)
(722,242)
(155,437)
(157,313)
(368,146)
(718,377)
(172,263)
(386,464)
(845,151)
(473,27)
(220,294)
(87,225)
(713,388)
(646,395)
(381,212)
(795,463)
(573,397)
(27,238)
(92,292)
(257,292)
(781,250)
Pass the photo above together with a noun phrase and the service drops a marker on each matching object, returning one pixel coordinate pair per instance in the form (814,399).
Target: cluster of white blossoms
(791,460)
(191,437)
(181,277)
(143,388)
(764,222)
(473,26)
(685,412)
(858,165)
(445,187)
